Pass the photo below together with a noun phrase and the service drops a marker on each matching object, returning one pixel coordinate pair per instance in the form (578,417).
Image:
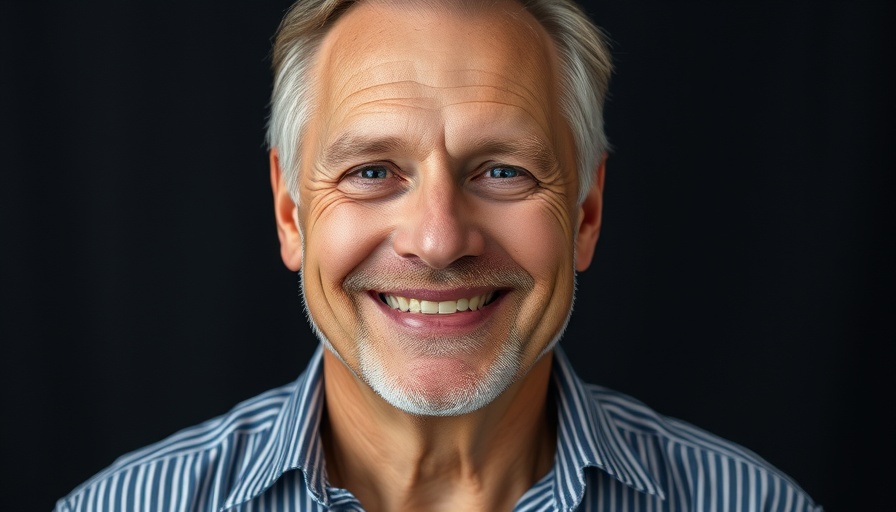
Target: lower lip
(439,324)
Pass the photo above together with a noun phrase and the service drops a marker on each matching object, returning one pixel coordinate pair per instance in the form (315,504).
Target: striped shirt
(613,454)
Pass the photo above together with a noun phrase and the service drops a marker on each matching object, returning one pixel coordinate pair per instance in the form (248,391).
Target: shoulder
(694,466)
(189,465)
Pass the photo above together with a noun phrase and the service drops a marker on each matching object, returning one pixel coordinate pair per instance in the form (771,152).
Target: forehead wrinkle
(399,72)
(383,106)
(415,76)
(435,102)
(386,106)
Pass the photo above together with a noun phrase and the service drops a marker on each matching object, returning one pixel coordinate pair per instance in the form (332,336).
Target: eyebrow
(350,147)
(531,149)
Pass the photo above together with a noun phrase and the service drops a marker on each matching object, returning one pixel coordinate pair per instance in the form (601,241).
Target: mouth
(416,305)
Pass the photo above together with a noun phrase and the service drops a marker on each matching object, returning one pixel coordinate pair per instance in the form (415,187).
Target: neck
(391,460)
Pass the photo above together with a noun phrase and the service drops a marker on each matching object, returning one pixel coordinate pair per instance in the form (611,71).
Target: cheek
(338,237)
(537,236)
(339,233)
(539,239)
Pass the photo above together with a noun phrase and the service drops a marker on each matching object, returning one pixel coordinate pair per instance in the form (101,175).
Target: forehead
(456,34)
(387,58)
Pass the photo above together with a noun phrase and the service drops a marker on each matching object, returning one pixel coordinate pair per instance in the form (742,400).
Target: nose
(438,225)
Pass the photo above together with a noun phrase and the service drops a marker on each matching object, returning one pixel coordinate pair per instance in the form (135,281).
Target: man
(437,171)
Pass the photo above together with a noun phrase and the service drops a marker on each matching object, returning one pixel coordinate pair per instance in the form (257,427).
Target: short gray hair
(585,68)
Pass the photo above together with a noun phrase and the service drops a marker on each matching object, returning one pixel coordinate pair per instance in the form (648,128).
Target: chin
(441,382)
(439,385)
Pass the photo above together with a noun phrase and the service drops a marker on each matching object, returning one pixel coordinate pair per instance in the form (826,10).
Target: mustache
(469,271)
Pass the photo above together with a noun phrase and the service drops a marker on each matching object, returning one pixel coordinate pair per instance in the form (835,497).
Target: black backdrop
(743,280)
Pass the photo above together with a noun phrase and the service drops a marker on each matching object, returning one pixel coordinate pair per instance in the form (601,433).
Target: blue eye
(503,172)
(374,173)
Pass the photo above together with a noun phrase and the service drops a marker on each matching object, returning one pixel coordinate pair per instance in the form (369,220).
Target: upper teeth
(443,307)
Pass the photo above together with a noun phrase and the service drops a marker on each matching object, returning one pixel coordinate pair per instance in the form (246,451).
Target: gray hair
(585,67)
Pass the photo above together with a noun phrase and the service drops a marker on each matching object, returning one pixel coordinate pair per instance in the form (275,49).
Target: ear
(589,219)
(286,212)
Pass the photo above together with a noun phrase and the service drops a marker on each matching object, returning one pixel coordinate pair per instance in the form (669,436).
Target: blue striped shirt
(613,454)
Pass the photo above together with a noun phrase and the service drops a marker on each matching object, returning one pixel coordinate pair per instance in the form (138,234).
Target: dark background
(743,280)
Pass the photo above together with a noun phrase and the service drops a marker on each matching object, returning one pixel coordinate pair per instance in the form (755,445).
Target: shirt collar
(586,437)
(293,444)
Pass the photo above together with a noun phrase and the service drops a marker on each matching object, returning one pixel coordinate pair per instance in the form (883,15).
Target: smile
(442,307)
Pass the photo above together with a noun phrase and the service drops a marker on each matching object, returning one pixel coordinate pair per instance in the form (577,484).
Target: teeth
(445,307)
(429,307)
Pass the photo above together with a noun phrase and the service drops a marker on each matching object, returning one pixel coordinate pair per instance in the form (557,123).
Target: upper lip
(438,295)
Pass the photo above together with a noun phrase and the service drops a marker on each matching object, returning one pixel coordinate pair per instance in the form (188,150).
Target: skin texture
(437,165)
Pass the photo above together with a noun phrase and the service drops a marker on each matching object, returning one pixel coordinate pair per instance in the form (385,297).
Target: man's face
(437,201)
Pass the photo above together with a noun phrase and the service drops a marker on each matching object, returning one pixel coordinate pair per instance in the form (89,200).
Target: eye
(506,173)
(503,182)
(372,181)
(503,172)
(375,172)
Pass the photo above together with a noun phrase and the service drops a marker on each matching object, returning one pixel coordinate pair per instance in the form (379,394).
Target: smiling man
(437,170)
